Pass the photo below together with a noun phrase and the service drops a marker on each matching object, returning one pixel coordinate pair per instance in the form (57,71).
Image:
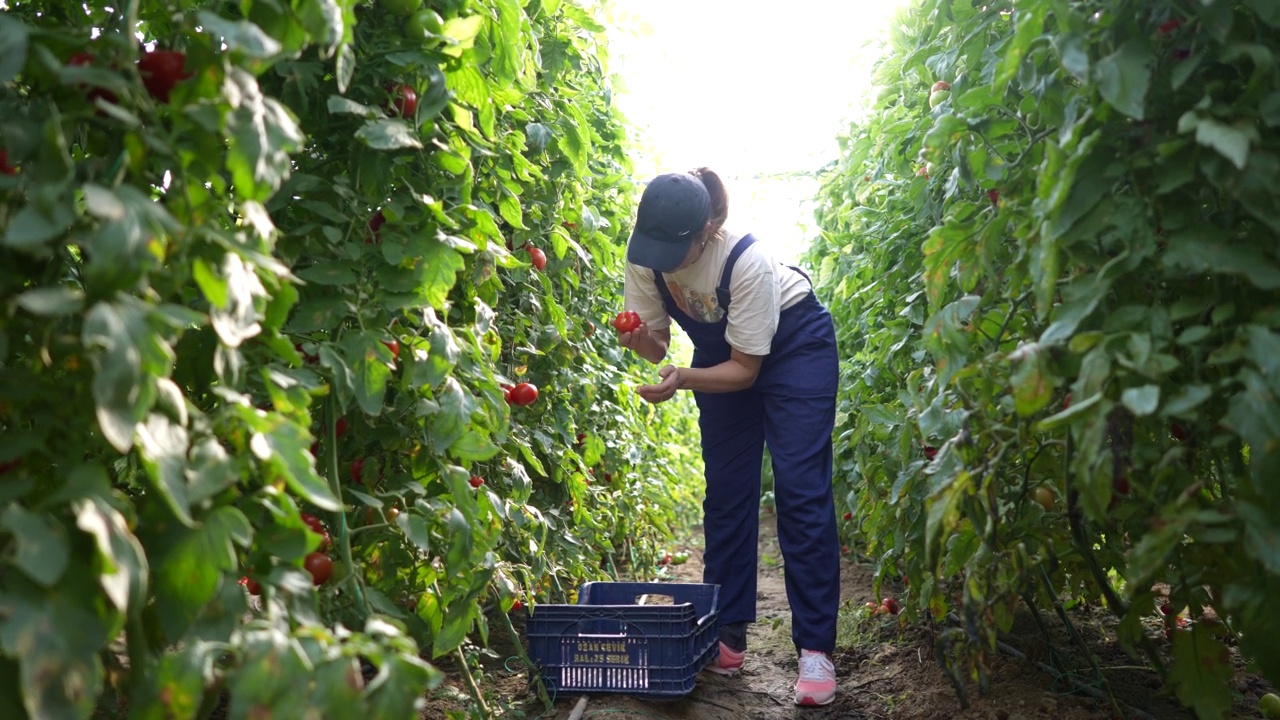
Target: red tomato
(537,257)
(340,427)
(161,70)
(591,328)
(626,321)
(524,394)
(404,101)
(476,481)
(393,346)
(873,608)
(251,585)
(891,605)
(306,357)
(930,452)
(1179,432)
(5,167)
(1066,401)
(320,567)
(506,394)
(848,516)
(517,605)
(374,235)
(357,471)
(315,448)
(845,549)
(940,86)
(317,527)
(1168,27)
(7,467)
(608,477)
(994,196)
(582,437)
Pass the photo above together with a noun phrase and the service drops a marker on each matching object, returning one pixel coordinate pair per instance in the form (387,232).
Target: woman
(764,372)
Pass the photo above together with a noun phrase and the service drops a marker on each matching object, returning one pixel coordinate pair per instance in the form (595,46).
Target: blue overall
(791,407)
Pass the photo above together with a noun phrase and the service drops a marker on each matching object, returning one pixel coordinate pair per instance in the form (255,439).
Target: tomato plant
(1038,276)
(215,226)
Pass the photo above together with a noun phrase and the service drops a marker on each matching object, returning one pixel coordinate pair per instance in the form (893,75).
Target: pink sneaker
(817,683)
(729,663)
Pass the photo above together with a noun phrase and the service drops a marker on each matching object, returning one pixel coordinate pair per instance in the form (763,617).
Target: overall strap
(722,290)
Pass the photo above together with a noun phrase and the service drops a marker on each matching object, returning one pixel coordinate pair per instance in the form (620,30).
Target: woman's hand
(651,346)
(636,339)
(664,390)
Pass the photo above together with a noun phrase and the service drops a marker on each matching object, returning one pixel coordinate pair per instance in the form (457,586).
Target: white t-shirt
(759,289)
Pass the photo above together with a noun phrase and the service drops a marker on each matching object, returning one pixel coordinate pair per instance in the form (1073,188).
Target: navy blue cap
(673,211)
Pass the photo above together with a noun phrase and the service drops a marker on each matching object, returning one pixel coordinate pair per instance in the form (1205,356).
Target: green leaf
(437,267)
(1204,250)
(370,363)
(1032,386)
(1268,11)
(461,32)
(51,301)
(42,549)
(237,320)
(189,564)
(1188,398)
(1231,141)
(124,567)
(260,133)
(1262,532)
(286,448)
(339,105)
(240,36)
(1124,76)
(210,283)
(473,446)
(509,208)
(13,38)
(119,343)
(388,134)
(1141,401)
(1269,108)
(30,228)
(328,273)
(1201,672)
(163,446)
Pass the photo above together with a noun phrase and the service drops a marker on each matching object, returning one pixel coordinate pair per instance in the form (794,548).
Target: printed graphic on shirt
(701,307)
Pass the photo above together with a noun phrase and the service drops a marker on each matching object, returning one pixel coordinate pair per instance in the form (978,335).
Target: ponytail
(719,198)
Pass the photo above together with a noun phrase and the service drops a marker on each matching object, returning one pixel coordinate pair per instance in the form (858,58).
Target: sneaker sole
(810,701)
(726,672)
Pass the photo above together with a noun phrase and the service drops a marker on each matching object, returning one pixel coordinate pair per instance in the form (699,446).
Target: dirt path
(888,672)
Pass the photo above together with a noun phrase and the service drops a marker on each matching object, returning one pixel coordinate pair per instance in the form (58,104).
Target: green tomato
(680,558)
(401,7)
(1270,706)
(938,97)
(423,23)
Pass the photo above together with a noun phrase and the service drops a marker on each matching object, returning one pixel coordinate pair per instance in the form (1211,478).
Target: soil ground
(886,670)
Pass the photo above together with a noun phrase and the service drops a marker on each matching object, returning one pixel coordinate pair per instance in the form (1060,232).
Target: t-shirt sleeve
(754,303)
(641,295)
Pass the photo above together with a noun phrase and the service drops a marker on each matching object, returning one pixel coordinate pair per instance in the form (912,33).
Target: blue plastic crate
(607,643)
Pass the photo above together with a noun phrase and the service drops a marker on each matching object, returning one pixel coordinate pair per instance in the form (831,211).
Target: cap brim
(645,251)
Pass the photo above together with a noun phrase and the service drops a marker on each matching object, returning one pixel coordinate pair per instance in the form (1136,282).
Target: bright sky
(756,92)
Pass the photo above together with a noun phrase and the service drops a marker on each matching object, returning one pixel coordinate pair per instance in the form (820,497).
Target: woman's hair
(719,199)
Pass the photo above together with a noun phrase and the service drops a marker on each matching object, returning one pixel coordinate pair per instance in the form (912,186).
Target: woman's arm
(739,372)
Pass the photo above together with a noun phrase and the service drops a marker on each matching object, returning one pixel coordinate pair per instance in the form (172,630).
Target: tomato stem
(534,675)
(344,536)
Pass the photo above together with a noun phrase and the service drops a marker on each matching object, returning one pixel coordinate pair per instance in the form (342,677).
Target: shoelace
(816,668)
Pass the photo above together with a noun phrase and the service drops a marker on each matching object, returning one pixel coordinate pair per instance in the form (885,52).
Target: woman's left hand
(664,390)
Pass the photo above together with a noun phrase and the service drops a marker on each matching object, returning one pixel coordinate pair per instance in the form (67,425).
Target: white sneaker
(817,683)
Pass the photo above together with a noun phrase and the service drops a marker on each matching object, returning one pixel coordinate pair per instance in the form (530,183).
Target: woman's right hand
(636,339)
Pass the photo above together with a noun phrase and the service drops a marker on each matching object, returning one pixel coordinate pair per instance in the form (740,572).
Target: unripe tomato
(627,321)
(524,394)
(537,257)
(320,567)
(1269,705)
(422,23)
(1043,496)
(161,70)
